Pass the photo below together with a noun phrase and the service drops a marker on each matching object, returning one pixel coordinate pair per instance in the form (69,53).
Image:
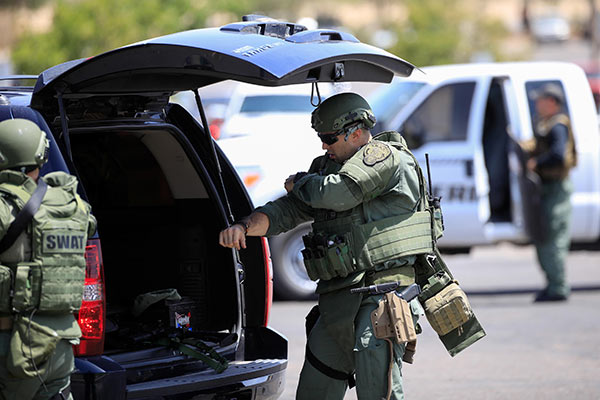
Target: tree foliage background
(433,32)
(443,32)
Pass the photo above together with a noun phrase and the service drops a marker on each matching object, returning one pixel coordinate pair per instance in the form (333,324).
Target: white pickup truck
(467,118)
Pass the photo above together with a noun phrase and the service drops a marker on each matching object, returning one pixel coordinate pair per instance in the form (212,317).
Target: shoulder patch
(375,152)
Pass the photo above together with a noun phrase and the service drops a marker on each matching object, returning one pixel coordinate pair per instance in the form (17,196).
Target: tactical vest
(52,280)
(344,242)
(542,145)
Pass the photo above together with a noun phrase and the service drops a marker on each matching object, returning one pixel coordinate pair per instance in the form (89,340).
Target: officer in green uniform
(42,270)
(552,156)
(365,197)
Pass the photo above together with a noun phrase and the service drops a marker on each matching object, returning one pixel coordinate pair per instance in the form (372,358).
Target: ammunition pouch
(326,258)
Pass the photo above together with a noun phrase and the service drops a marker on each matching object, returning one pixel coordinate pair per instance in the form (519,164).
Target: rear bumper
(257,378)
(261,379)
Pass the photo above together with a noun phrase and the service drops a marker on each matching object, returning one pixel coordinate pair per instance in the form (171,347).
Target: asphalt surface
(531,351)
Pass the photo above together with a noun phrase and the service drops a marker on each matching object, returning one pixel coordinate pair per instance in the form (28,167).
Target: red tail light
(93,307)
(268,279)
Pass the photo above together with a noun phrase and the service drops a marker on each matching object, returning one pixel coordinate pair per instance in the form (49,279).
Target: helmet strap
(351,129)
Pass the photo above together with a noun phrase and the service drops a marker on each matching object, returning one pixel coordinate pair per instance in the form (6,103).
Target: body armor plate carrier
(52,281)
(342,243)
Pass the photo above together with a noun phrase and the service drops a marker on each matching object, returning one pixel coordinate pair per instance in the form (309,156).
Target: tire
(290,281)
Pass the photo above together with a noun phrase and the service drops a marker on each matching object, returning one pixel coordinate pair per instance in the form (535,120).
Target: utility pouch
(393,319)
(438,219)
(31,346)
(5,288)
(23,292)
(448,309)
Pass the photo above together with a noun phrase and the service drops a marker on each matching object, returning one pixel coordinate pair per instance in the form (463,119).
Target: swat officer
(552,155)
(44,226)
(364,196)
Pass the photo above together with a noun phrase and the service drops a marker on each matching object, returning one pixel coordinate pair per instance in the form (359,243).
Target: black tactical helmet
(22,144)
(341,110)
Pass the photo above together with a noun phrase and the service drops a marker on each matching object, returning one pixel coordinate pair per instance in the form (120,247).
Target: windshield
(270,103)
(389,99)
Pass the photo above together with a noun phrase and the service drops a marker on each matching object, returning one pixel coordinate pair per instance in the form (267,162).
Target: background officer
(360,187)
(553,154)
(42,270)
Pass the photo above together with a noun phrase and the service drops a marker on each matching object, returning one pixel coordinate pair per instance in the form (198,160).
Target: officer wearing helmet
(360,196)
(44,226)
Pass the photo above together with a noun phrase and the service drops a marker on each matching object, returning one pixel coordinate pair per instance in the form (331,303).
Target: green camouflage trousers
(343,339)
(553,251)
(56,377)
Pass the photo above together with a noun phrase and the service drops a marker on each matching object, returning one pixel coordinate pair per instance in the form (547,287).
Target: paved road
(532,351)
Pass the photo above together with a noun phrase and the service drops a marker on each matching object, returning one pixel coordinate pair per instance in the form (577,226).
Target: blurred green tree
(442,32)
(84,28)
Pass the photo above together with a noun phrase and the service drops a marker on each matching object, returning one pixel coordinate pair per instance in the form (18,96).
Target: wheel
(290,281)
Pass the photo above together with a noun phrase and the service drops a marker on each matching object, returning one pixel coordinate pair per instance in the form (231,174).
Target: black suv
(161,191)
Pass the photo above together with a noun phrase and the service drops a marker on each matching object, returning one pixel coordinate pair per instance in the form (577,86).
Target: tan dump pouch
(393,319)
(448,309)
(5,285)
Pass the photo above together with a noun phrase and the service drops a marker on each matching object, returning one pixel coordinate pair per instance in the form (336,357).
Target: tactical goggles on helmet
(331,138)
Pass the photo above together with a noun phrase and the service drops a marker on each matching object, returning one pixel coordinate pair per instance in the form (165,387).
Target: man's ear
(357,134)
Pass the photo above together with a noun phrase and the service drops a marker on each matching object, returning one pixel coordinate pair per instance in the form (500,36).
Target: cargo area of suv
(159,215)
(159,231)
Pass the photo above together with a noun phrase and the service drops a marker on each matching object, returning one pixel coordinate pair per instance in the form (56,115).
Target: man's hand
(531,164)
(289,183)
(233,237)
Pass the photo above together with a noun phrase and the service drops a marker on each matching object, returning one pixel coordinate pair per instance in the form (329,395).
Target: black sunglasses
(329,138)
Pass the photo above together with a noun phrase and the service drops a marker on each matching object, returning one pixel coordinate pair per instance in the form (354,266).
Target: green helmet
(22,144)
(337,112)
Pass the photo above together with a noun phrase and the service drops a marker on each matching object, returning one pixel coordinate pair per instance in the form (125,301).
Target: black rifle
(407,294)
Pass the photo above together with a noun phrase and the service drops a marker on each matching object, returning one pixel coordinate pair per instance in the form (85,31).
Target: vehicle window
(444,116)
(267,103)
(532,87)
(387,101)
